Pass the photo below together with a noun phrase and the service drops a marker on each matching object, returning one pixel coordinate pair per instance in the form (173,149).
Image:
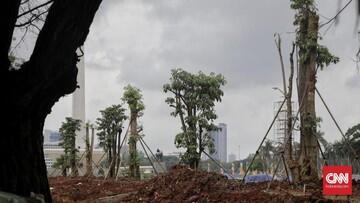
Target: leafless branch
(32,19)
(35,8)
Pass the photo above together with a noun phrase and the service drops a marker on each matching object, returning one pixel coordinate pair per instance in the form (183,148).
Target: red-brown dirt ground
(181,184)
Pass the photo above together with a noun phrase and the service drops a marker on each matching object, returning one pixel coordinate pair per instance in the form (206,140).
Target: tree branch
(33,9)
(33,18)
(7,21)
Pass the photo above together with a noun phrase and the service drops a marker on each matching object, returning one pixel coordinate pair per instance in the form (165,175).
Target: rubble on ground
(87,189)
(182,184)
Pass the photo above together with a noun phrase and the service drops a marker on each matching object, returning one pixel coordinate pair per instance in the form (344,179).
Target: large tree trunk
(307,79)
(118,155)
(113,156)
(133,165)
(73,161)
(89,150)
(29,93)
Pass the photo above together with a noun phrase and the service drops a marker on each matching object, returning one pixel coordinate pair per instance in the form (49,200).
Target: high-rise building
(220,142)
(78,102)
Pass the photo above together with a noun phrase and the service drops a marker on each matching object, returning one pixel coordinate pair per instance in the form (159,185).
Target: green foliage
(61,162)
(109,124)
(353,136)
(193,101)
(308,43)
(353,133)
(324,57)
(68,134)
(340,151)
(67,141)
(133,97)
(258,163)
(301,4)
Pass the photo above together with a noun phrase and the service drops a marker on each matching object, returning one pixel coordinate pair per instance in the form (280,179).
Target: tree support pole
(217,163)
(147,155)
(337,125)
(157,160)
(263,140)
(273,177)
(286,169)
(321,151)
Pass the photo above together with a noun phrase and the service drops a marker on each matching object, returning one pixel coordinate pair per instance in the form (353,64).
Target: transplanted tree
(311,57)
(89,146)
(62,164)
(133,97)
(193,101)
(110,126)
(67,142)
(29,93)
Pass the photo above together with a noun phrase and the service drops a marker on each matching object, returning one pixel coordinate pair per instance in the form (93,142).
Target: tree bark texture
(289,116)
(133,165)
(113,156)
(73,161)
(88,153)
(30,93)
(307,79)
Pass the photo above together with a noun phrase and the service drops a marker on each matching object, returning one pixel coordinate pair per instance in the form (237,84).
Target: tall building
(220,142)
(78,102)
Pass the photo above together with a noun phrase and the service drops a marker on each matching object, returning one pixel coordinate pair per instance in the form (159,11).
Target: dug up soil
(182,184)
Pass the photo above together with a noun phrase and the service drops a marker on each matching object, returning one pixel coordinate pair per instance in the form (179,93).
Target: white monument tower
(78,102)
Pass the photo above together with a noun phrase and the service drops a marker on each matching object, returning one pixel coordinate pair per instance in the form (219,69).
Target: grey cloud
(138,42)
(222,38)
(353,81)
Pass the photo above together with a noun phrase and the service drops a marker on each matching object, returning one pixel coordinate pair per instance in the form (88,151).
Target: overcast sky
(139,42)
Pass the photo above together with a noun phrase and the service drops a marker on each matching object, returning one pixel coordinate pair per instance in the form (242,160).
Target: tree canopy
(193,101)
(67,141)
(108,125)
(133,97)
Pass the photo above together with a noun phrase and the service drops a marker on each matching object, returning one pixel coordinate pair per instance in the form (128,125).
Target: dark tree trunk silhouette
(28,94)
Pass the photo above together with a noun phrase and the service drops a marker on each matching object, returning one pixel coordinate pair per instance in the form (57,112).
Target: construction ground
(182,184)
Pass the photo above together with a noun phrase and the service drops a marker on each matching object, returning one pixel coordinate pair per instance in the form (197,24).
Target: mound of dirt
(66,189)
(182,184)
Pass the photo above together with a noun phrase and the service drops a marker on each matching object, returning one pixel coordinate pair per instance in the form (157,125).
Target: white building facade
(78,102)
(220,142)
